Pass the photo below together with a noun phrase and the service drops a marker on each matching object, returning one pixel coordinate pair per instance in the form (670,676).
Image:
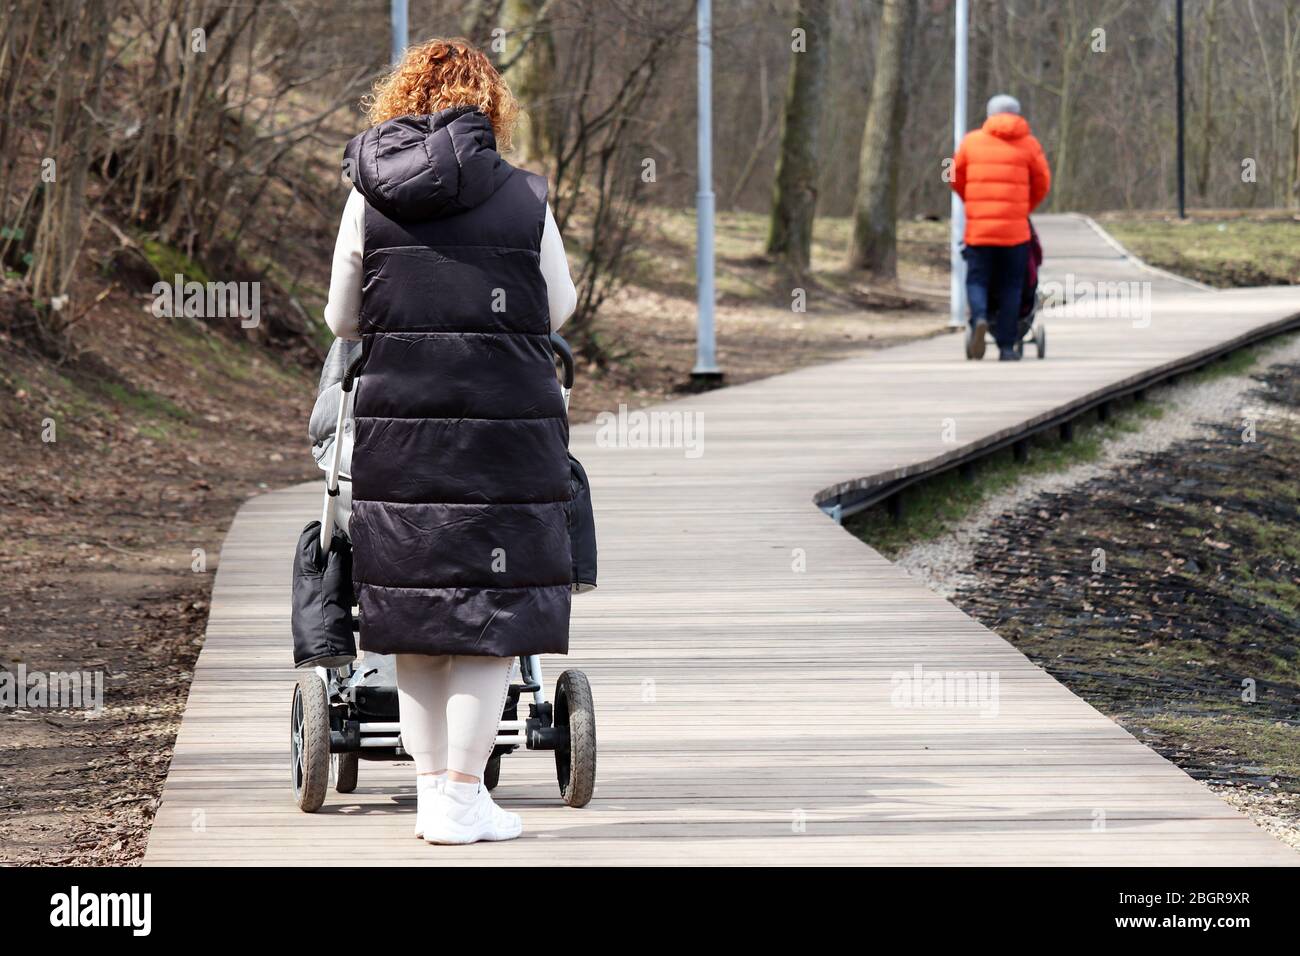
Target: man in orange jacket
(1001,175)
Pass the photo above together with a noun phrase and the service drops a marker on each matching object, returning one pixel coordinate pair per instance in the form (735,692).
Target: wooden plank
(746,707)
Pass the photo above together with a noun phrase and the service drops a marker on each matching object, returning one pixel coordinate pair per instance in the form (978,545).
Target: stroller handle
(350,376)
(565,353)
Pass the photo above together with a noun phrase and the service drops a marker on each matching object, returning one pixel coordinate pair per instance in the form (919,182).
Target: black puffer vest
(460,472)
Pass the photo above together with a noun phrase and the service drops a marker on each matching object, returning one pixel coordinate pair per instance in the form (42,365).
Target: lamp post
(401,31)
(1178,69)
(706,367)
(957,282)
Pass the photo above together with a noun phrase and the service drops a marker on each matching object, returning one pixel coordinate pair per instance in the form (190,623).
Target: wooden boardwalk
(744,648)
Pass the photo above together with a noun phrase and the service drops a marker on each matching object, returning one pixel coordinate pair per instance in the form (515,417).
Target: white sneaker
(466,813)
(427,786)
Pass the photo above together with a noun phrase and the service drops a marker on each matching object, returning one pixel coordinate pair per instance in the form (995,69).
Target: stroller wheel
(492,772)
(1040,341)
(345,768)
(309,742)
(575,761)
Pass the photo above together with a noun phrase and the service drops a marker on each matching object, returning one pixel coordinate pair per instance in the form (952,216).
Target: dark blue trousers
(994,278)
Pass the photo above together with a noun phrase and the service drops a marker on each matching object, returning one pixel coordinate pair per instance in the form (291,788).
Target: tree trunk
(794,201)
(532,64)
(1291,47)
(1063,173)
(874,247)
(983,32)
(1207,100)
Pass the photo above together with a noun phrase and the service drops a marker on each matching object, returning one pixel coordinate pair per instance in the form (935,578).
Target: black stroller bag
(582,528)
(322,601)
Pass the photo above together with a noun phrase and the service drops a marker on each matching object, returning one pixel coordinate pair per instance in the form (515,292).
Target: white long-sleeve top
(343,306)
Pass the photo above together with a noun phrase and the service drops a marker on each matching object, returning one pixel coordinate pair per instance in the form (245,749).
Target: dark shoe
(978,333)
(1008,355)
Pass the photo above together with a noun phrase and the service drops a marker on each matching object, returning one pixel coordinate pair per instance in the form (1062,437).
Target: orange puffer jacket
(1001,175)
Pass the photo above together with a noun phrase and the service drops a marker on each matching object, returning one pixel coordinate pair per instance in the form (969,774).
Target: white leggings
(450,708)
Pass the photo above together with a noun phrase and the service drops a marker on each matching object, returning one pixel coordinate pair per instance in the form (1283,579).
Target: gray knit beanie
(1003,103)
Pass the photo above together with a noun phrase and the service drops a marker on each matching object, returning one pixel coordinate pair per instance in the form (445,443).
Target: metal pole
(401,32)
(706,367)
(957,283)
(1178,58)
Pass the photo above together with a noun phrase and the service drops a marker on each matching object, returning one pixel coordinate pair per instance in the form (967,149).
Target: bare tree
(794,202)
(171,121)
(531,71)
(45,230)
(874,247)
(1206,106)
(599,152)
(478,18)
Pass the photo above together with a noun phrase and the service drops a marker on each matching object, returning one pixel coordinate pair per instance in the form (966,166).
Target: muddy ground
(1189,634)
(100,572)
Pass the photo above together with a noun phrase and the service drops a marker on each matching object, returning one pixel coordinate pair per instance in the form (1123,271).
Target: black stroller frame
(349,713)
(1029,327)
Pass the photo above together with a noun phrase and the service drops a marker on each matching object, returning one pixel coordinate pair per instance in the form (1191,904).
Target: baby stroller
(345,710)
(1029,324)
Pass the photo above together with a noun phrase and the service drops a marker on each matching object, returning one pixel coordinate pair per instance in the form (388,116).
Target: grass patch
(1231,365)
(147,405)
(1226,252)
(1274,749)
(169,261)
(217,357)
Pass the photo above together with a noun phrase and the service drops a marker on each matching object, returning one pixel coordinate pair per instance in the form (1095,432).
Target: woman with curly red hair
(451,272)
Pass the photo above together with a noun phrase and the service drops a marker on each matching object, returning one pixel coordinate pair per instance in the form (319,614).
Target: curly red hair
(438,74)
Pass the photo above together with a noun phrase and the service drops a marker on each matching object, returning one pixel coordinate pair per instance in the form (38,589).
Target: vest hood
(1007,126)
(414,168)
